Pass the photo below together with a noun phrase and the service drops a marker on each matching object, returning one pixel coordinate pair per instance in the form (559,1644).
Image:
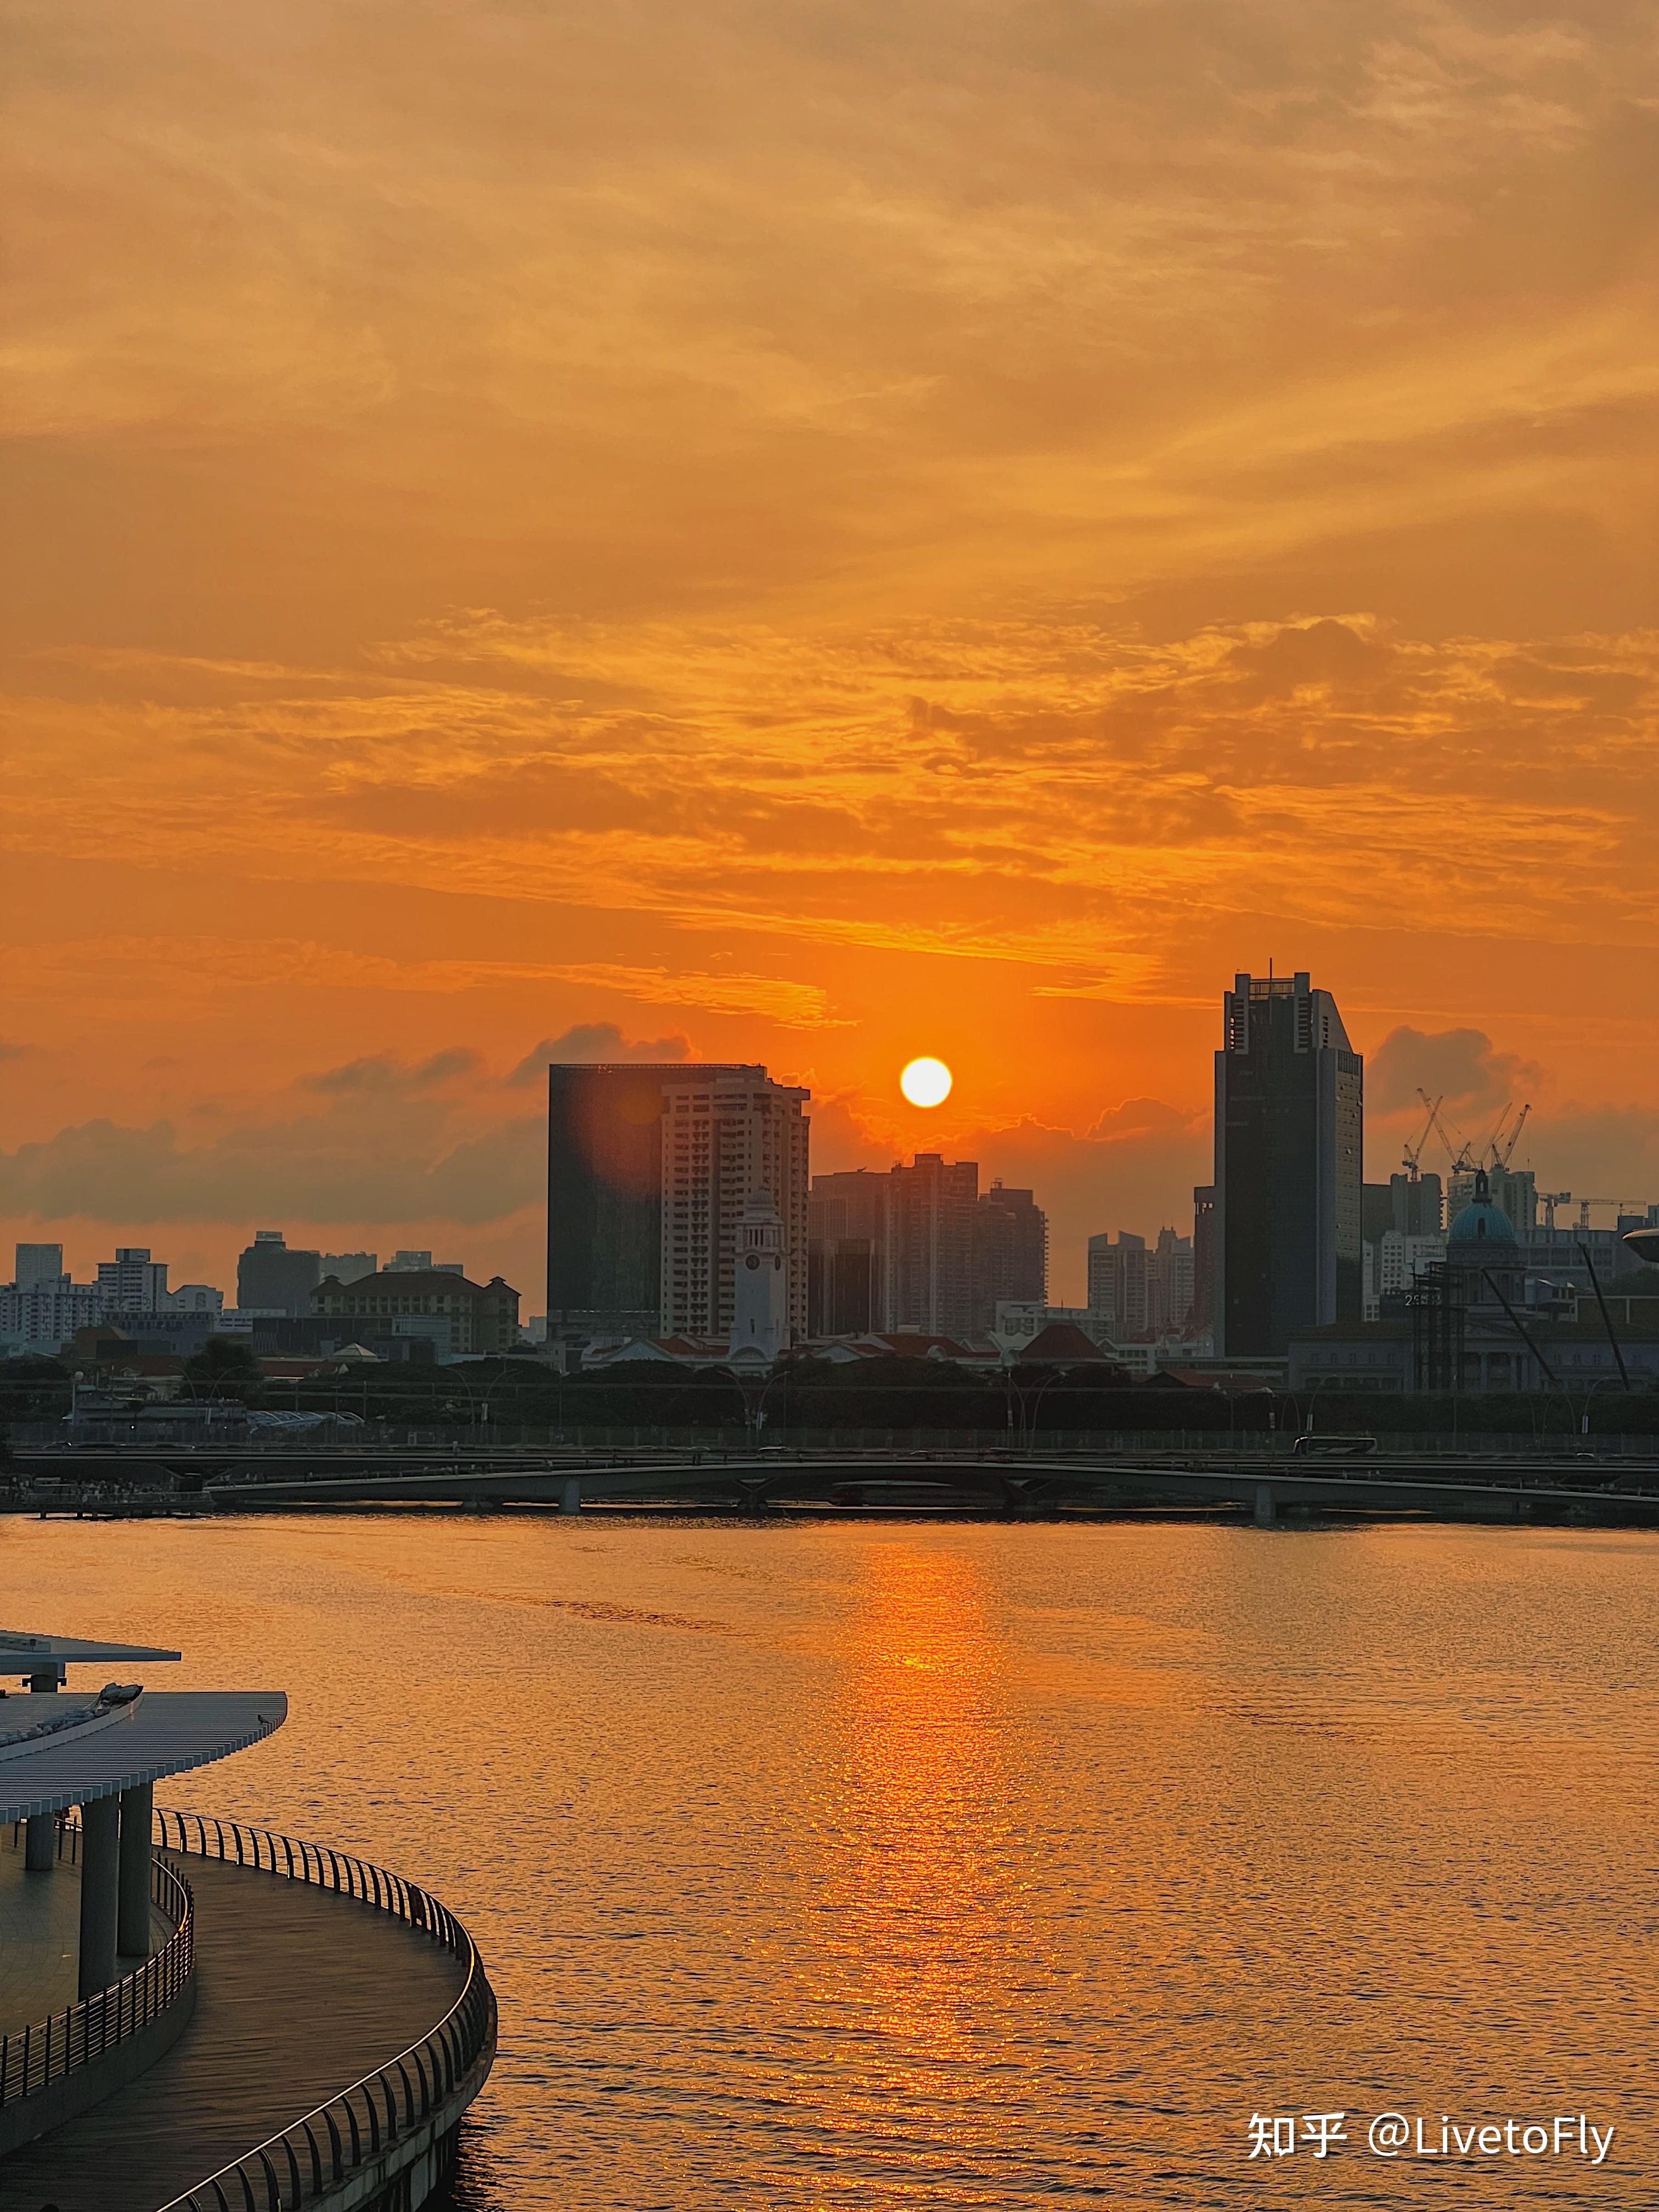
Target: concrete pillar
(138,1811)
(570,1495)
(48,1679)
(101,1879)
(39,1844)
(1264,1505)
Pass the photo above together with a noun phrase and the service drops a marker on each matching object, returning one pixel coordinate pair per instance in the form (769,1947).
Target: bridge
(968,1478)
(995,1484)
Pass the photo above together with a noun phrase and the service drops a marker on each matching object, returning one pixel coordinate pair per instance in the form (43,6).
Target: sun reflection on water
(926,1970)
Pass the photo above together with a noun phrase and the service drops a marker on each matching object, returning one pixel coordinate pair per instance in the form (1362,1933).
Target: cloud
(384,1072)
(1461,1065)
(595,1041)
(11,1051)
(359,1170)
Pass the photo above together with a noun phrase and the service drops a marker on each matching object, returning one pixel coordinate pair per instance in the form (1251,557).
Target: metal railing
(333,2141)
(79,2035)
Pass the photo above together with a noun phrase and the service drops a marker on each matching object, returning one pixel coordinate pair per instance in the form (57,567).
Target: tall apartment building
(726,1133)
(272,1277)
(645,1192)
(1120,1294)
(132,1282)
(1171,1283)
(1010,1252)
(920,1224)
(1289,1105)
(39,1267)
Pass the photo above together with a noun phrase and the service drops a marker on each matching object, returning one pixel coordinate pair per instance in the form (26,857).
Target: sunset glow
(659,534)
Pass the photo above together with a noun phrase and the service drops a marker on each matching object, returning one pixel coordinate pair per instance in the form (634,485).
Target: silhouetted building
(39,1267)
(649,1168)
(1288,1126)
(1515,1190)
(1010,1252)
(1204,1257)
(351,1267)
(1119,1293)
(132,1282)
(460,1317)
(1171,1284)
(919,1221)
(274,1277)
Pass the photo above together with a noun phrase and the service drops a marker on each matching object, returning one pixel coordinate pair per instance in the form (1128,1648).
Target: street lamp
(1601,1382)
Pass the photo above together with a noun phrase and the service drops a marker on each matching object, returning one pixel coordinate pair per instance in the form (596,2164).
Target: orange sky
(814,533)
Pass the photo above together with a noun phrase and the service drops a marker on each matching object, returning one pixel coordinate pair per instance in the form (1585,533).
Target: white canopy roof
(163,1733)
(23,1654)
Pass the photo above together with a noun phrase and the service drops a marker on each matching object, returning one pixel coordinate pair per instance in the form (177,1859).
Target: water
(911,1866)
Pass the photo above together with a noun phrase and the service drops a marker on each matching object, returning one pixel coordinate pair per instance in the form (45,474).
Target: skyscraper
(728,1134)
(644,1198)
(1010,1252)
(1289,1093)
(920,1222)
(1118,1290)
(273,1276)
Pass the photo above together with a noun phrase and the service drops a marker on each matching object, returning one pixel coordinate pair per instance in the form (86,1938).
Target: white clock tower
(760,1304)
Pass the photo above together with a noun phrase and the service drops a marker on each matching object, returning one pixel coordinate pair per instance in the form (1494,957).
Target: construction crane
(1549,1200)
(1635,1204)
(1501,1147)
(1413,1153)
(1463,1163)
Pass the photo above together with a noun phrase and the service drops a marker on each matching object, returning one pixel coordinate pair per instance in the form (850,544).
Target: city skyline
(1135,1170)
(789,574)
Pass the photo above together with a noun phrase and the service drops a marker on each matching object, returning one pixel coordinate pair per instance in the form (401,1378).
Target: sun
(926,1082)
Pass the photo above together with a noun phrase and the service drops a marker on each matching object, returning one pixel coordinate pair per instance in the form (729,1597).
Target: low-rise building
(481,1317)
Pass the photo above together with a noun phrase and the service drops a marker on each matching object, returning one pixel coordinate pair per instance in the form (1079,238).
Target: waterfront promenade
(195,2013)
(299,1992)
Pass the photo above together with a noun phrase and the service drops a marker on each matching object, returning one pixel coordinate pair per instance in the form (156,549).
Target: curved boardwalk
(299,1992)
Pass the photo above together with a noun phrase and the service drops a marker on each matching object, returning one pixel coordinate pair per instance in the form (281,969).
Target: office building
(1009,1253)
(273,1277)
(1289,1105)
(649,1168)
(463,1319)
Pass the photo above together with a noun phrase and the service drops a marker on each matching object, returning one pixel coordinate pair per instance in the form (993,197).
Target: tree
(225,1367)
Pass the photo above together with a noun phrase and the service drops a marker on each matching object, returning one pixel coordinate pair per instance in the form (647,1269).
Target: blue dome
(1481,1222)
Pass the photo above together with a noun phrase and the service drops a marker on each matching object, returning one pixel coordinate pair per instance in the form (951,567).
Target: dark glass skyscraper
(1289,1104)
(604,1196)
(649,1170)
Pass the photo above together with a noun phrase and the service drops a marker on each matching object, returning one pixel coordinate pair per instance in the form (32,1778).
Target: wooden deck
(300,1992)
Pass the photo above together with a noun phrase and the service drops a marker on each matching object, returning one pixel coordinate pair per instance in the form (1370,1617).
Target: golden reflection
(930,1976)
